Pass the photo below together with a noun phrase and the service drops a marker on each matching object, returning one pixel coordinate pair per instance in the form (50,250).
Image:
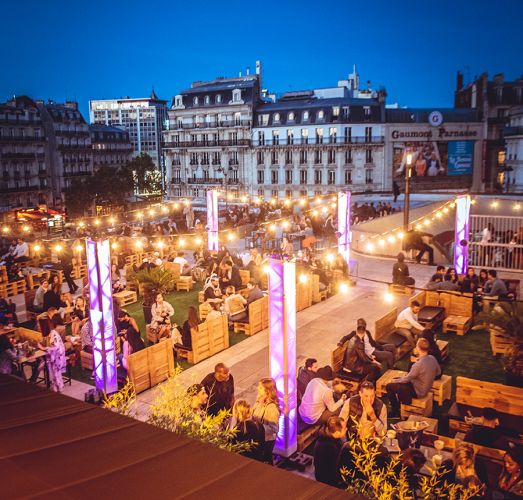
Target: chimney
(248,71)
(240,74)
(459,80)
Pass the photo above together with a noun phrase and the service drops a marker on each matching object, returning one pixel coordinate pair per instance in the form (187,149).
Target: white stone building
(514,153)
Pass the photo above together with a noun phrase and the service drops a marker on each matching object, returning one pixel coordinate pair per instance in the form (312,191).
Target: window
(288,157)
(348,134)
(260,157)
(348,176)
(368,134)
(275,137)
(207,100)
(332,135)
(288,176)
(303,157)
(304,136)
(261,138)
(218,99)
(332,177)
(216,158)
(205,158)
(274,158)
(234,138)
(274,177)
(234,158)
(319,136)
(261,177)
(263,119)
(194,159)
(288,193)
(332,156)
(303,176)
(236,95)
(317,156)
(237,118)
(321,115)
(368,176)
(233,176)
(276,118)
(290,137)
(261,193)
(305,116)
(290,117)
(195,101)
(274,193)
(502,113)
(335,112)
(317,176)
(368,156)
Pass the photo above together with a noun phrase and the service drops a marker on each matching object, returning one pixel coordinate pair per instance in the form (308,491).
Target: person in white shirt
(21,253)
(157,261)
(185,268)
(407,324)
(161,312)
(317,404)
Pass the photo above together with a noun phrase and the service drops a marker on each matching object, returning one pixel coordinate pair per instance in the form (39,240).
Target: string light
(58,248)
(79,248)
(388,297)
(381,243)
(344,288)
(303,278)
(114,245)
(112,220)
(37,248)
(517,206)
(198,241)
(181,242)
(97,222)
(26,229)
(230,236)
(266,268)
(494,204)
(5,229)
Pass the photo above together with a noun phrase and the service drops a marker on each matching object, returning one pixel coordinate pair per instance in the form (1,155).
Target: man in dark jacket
(305,375)
(232,276)
(254,291)
(327,452)
(357,360)
(220,388)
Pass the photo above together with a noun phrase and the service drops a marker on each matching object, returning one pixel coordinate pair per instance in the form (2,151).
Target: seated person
(417,383)
(486,430)
(254,291)
(190,323)
(407,323)
(470,282)
(247,430)
(215,311)
(447,284)
(400,272)
(494,287)
(413,460)
(433,347)
(185,267)
(7,356)
(86,336)
(38,302)
(212,290)
(318,404)
(357,361)
(438,276)
(220,388)
(132,343)
(511,478)
(305,374)
(161,312)
(327,452)
(234,304)
(364,410)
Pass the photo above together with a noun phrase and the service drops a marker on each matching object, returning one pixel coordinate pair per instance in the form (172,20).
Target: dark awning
(58,447)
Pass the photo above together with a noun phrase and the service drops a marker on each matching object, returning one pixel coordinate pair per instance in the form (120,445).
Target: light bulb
(303,278)
(344,288)
(37,248)
(388,297)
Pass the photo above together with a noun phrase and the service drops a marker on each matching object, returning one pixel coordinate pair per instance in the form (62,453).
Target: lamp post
(407,194)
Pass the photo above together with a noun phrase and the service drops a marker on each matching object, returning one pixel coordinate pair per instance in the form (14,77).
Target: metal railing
(505,249)
(212,124)
(317,141)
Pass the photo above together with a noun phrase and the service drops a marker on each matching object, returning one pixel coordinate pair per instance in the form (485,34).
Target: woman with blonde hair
(468,470)
(247,430)
(266,411)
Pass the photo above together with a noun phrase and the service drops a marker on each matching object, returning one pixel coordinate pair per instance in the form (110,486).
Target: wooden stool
(400,289)
(442,389)
(125,298)
(86,360)
(422,406)
(184,283)
(459,324)
(387,378)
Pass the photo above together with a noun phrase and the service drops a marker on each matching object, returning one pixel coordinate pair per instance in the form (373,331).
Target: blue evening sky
(104,49)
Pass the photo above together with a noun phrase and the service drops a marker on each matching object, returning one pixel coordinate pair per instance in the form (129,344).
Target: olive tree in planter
(152,281)
(505,324)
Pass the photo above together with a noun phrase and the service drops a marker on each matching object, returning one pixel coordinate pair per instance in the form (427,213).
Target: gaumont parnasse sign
(433,134)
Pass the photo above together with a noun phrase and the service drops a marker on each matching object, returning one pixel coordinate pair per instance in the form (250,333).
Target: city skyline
(113,51)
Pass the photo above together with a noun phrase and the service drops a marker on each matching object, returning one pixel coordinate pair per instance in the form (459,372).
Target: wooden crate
(442,389)
(125,298)
(419,406)
(400,289)
(34,279)
(458,324)
(184,283)
(500,342)
(161,362)
(3,274)
(12,288)
(387,378)
(138,370)
(201,297)
(258,318)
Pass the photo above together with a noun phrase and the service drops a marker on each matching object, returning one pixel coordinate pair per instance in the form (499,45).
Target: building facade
(207,140)
(143,119)
(111,146)
(445,148)
(514,152)
(69,150)
(318,141)
(494,99)
(24,181)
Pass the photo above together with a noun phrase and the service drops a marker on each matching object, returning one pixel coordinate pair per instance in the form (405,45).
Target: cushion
(393,338)
(430,313)
(348,375)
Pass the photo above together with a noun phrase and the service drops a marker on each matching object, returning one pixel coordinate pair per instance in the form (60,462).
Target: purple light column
(461,253)
(344,225)
(101,312)
(282,331)
(212,220)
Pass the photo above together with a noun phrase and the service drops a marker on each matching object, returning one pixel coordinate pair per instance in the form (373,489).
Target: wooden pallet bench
(460,325)
(184,283)
(258,318)
(125,298)
(10,289)
(419,406)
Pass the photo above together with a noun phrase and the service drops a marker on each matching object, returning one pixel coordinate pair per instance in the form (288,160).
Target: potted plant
(152,281)
(505,323)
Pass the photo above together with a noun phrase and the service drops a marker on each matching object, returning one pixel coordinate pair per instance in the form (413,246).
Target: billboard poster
(461,157)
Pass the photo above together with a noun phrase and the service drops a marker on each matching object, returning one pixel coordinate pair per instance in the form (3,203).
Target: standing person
(189,216)
(417,383)
(305,374)
(327,452)
(247,430)
(395,190)
(161,312)
(66,260)
(266,410)
(220,388)
(52,298)
(55,354)
(511,477)
(407,324)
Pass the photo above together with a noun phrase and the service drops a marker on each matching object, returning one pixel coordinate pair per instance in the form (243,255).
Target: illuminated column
(212,219)
(461,247)
(344,225)
(282,331)
(101,312)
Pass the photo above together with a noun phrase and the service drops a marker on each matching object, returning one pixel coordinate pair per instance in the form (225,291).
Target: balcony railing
(512,131)
(5,139)
(213,124)
(75,146)
(326,141)
(207,144)
(20,189)
(82,173)
(210,180)
(18,156)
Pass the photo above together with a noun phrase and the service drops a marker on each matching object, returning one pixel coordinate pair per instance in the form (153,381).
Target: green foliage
(154,280)
(507,316)
(122,401)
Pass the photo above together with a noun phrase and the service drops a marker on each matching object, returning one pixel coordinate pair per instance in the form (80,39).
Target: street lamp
(407,194)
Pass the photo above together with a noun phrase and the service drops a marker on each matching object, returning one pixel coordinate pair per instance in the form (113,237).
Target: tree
(78,198)
(147,179)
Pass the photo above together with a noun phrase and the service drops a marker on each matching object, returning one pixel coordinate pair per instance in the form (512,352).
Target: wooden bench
(125,298)
(12,288)
(29,298)
(303,291)
(34,279)
(150,366)
(385,332)
(500,342)
(441,388)
(27,334)
(418,406)
(258,318)
(400,289)
(184,283)
(350,380)
(307,436)
(86,361)
(208,339)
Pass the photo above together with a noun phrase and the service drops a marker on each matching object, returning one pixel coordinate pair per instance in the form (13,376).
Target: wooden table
(433,423)
(387,378)
(7,330)
(27,360)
